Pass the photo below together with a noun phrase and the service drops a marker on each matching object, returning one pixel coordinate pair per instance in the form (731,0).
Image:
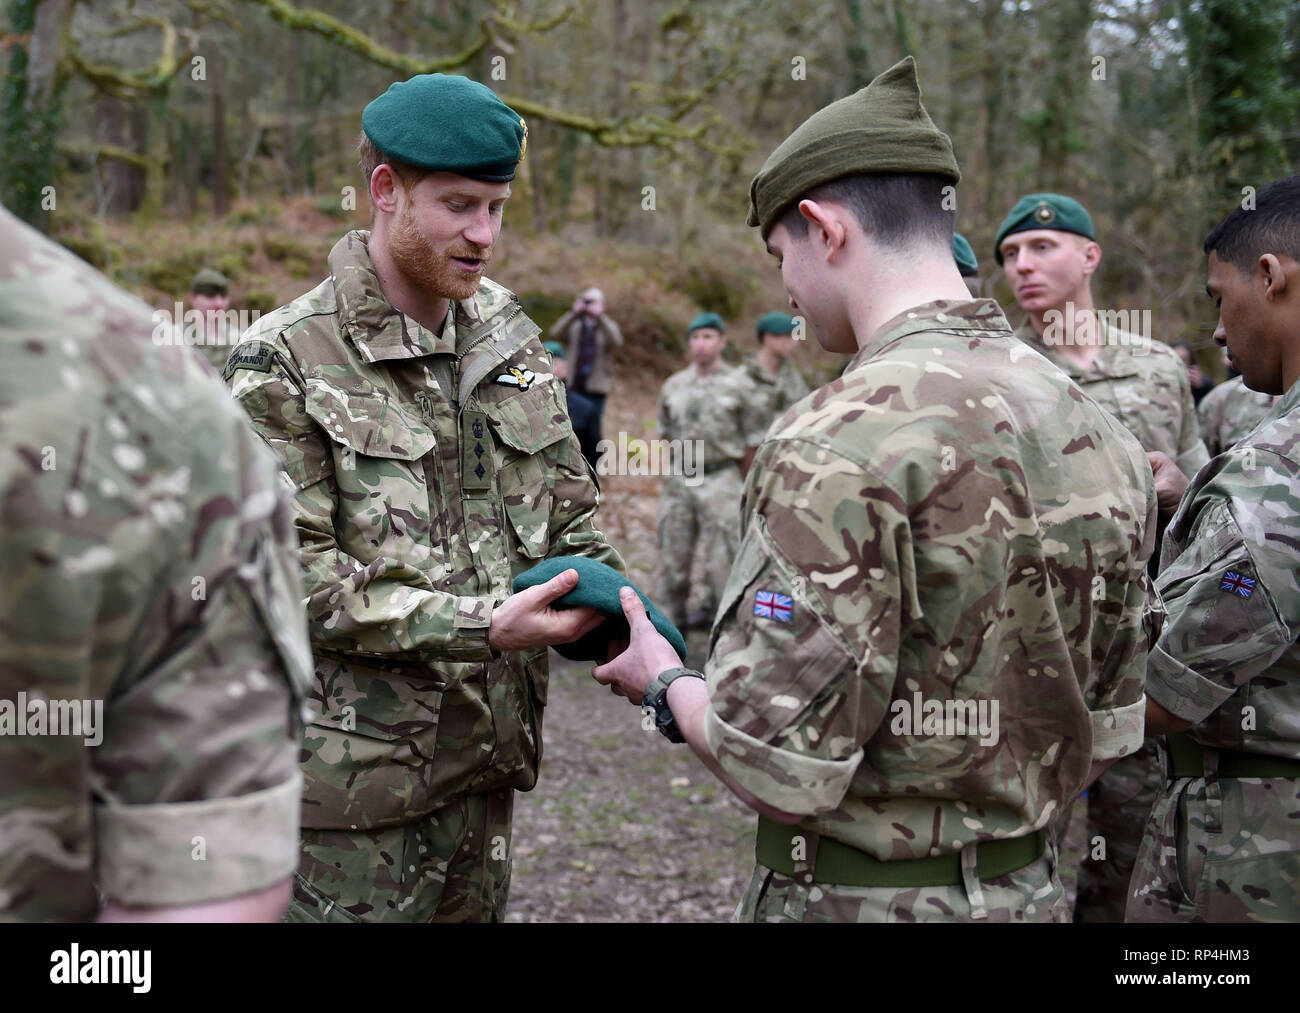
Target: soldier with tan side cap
(932,637)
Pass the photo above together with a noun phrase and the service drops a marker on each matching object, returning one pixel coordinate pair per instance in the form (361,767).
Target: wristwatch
(656,699)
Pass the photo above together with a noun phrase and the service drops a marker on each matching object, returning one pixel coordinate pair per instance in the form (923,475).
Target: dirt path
(623,825)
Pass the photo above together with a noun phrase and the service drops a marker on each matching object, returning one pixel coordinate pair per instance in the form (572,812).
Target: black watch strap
(656,699)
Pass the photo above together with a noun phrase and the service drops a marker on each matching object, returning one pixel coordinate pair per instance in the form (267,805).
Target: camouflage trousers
(451,865)
(1222,850)
(1117,807)
(707,514)
(1031,894)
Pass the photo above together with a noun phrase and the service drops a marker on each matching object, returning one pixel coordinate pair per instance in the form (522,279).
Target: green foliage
(714,288)
(27,134)
(293,256)
(545,308)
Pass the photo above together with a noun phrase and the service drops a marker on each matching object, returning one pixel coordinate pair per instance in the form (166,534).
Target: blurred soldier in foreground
(777,384)
(709,411)
(1048,248)
(424,433)
(1223,841)
(932,636)
(154,654)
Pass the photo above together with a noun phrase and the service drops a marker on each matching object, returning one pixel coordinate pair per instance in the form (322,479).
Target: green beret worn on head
(964,255)
(447,123)
(1044,211)
(882,128)
(775,323)
(707,320)
(598,586)
(555,348)
(210,281)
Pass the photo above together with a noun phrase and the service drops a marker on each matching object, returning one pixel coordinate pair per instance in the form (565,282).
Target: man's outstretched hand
(526,620)
(648,654)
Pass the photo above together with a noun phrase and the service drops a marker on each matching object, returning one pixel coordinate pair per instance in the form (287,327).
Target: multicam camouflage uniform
(430,469)
(1225,848)
(777,393)
(951,519)
(717,414)
(1228,412)
(145,563)
(1147,389)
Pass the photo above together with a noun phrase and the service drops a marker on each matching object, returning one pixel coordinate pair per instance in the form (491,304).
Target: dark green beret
(882,128)
(210,281)
(598,586)
(964,255)
(1044,211)
(775,323)
(446,123)
(555,348)
(707,320)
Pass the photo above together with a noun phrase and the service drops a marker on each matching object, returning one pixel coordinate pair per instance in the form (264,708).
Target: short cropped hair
(372,158)
(897,209)
(1273,226)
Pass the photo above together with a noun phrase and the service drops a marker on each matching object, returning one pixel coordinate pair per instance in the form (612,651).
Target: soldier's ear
(384,184)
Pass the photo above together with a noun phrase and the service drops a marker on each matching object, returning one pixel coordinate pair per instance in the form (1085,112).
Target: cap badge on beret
(523,141)
(1045,213)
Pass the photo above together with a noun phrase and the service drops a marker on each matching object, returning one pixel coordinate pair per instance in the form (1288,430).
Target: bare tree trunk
(220,148)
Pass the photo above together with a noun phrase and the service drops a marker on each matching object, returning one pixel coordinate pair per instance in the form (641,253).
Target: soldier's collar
(378,329)
(978,317)
(1112,362)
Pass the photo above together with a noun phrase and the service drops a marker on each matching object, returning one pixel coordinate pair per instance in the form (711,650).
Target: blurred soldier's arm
(388,606)
(1233,593)
(1191,451)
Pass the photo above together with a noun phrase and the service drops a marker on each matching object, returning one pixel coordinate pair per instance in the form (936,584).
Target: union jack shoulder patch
(1235,583)
(771,605)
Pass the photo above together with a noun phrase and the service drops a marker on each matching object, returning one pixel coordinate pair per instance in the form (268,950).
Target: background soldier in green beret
(712,410)
(418,419)
(777,384)
(1048,248)
(931,533)
(1223,681)
(210,296)
(967,264)
(147,581)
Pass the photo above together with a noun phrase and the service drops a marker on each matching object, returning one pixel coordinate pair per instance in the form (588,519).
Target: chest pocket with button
(524,425)
(384,504)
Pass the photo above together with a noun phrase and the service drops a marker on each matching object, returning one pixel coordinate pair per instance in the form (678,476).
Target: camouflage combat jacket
(721,409)
(952,521)
(430,469)
(147,572)
(1227,659)
(1148,391)
(1228,412)
(776,394)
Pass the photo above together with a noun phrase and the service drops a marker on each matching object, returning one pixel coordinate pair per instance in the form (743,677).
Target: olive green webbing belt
(840,865)
(1187,759)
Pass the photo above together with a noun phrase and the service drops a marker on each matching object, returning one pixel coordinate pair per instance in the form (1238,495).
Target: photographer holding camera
(589,335)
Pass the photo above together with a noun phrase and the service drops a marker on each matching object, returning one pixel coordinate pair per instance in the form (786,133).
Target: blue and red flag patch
(770,605)
(1234,582)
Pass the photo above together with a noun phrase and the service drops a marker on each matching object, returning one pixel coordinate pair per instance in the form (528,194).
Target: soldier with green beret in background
(966,263)
(1047,246)
(778,384)
(418,419)
(712,412)
(908,673)
(206,328)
